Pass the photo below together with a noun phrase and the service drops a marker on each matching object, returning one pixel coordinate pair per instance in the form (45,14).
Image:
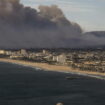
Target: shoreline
(56,68)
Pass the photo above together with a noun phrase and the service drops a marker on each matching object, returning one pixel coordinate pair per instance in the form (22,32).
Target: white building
(60,59)
(2,51)
(23,51)
(8,52)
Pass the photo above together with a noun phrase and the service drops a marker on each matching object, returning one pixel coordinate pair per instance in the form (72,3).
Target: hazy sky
(90,14)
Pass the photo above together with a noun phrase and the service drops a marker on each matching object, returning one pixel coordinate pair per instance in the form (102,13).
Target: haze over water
(27,86)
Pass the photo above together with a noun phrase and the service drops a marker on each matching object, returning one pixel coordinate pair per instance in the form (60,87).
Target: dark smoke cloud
(25,27)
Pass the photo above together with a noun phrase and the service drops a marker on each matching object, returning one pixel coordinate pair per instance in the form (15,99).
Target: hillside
(96,33)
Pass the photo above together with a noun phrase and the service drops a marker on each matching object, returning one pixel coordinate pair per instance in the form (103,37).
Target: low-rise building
(2,51)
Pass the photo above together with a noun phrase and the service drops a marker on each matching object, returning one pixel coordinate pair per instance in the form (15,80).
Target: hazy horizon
(23,26)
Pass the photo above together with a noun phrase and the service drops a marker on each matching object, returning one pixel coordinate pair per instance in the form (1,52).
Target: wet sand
(49,67)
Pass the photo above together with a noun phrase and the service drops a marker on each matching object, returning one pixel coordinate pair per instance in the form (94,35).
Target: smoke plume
(25,27)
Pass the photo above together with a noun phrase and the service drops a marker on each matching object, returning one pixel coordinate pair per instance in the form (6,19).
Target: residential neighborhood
(81,59)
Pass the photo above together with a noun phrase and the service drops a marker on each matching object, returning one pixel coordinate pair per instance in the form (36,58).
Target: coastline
(56,68)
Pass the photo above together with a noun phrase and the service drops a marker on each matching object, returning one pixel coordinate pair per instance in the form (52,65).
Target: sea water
(20,85)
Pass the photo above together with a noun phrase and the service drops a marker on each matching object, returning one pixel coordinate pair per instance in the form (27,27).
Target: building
(8,52)
(16,57)
(61,59)
(23,52)
(2,52)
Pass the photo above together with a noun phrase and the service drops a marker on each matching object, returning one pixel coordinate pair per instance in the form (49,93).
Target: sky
(90,14)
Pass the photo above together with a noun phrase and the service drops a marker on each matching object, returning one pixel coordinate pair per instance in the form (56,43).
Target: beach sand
(49,67)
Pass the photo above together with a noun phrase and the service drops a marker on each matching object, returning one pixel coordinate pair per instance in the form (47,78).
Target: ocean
(20,85)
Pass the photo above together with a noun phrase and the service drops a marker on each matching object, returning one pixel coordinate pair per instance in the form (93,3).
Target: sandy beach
(49,67)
